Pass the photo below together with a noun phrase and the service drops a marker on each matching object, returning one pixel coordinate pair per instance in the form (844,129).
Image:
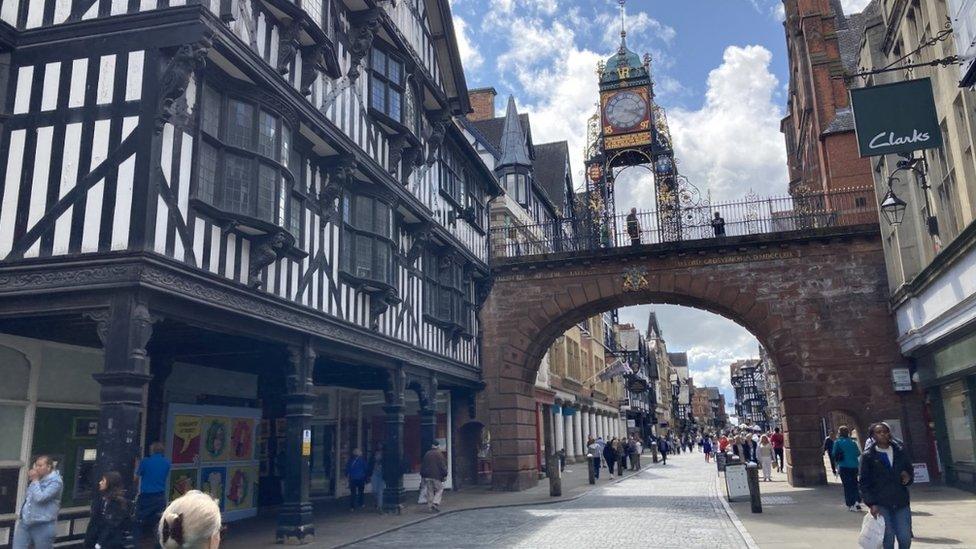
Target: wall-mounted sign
(306,442)
(896,118)
(921,472)
(902,379)
(627,140)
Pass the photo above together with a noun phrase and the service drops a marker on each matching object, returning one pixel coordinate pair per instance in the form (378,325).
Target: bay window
(386,84)
(243,159)
(448,298)
(452,181)
(366,249)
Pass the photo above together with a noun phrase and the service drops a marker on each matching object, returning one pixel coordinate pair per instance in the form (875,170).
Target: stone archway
(817,302)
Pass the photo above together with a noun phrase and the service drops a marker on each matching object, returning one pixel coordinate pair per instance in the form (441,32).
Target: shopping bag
(872,532)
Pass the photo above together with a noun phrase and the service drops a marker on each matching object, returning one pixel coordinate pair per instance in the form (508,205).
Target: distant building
(748,381)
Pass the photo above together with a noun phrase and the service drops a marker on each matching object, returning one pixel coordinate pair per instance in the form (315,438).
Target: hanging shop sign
(962,14)
(901,378)
(896,118)
(636,383)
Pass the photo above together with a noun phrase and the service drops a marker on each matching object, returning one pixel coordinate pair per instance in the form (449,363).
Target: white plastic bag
(872,532)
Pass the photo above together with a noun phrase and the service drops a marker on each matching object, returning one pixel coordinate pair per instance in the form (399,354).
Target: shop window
(367,240)
(386,84)
(16,374)
(243,161)
(66,376)
(959,422)
(11,431)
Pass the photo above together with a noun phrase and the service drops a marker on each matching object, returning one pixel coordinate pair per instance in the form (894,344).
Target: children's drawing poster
(213,481)
(242,439)
(241,485)
(181,481)
(216,438)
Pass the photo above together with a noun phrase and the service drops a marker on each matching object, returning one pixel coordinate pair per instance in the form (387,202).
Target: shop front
(345,419)
(948,374)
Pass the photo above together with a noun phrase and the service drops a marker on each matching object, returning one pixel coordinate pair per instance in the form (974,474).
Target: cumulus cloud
(733,143)
(854,6)
(470,57)
(639,25)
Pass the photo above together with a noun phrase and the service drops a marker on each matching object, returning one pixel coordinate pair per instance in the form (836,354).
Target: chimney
(482,103)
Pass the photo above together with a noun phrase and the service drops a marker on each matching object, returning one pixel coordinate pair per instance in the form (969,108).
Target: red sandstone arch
(818,303)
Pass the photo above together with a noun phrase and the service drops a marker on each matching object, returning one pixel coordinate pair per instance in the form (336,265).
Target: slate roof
(850,32)
(514,141)
(678,359)
(550,171)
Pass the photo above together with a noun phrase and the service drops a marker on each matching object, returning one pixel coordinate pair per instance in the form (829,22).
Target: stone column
(570,441)
(605,427)
(559,426)
(578,434)
(585,429)
(593,427)
(393,442)
(295,521)
(124,330)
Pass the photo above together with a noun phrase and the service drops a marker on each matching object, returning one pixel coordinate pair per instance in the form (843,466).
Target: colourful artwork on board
(181,481)
(213,481)
(186,439)
(216,434)
(242,439)
(241,485)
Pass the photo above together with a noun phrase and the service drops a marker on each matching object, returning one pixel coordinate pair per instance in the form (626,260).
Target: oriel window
(367,239)
(386,85)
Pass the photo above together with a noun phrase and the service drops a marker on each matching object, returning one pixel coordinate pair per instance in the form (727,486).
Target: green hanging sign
(896,118)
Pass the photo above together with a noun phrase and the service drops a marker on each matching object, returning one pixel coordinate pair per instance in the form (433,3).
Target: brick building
(821,147)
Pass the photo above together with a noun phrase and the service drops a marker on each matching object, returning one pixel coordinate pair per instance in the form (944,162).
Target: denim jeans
(596,467)
(848,477)
(40,536)
(898,525)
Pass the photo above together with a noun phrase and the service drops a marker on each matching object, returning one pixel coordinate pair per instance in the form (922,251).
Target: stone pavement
(336,526)
(675,505)
(799,518)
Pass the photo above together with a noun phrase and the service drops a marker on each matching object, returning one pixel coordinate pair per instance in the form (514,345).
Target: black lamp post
(893,208)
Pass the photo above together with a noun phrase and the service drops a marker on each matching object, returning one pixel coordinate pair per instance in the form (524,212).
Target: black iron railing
(744,217)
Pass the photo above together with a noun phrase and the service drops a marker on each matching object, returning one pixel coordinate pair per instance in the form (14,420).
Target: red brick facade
(820,141)
(817,303)
(482,104)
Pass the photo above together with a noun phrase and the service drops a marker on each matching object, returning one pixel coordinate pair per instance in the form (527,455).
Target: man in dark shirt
(633,227)
(718,225)
(151,478)
(433,473)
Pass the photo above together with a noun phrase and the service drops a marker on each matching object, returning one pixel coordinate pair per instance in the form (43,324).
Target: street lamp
(893,208)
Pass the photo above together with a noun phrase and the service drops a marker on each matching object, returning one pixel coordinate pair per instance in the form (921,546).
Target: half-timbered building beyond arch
(249,229)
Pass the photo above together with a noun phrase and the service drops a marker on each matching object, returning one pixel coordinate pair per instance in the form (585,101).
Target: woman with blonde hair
(191,522)
(766,457)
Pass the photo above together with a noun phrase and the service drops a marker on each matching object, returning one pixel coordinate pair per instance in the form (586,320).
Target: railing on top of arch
(753,215)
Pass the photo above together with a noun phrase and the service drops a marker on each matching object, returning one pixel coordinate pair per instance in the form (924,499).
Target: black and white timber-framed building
(243,224)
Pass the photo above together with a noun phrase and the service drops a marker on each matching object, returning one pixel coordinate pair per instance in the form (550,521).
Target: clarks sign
(896,118)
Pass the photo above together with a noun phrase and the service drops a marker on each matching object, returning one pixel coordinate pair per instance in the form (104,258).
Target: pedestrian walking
(777,441)
(151,481)
(718,225)
(638,450)
(433,472)
(846,453)
(723,443)
(664,447)
(356,473)
(633,227)
(828,448)
(561,454)
(38,515)
(707,449)
(192,521)
(110,512)
(886,473)
(610,455)
(594,453)
(766,457)
(633,449)
(621,456)
(376,481)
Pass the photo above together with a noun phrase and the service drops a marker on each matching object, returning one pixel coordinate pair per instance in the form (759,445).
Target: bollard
(752,470)
(555,476)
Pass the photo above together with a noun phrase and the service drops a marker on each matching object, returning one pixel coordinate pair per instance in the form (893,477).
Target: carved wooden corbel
(379,303)
(411,155)
(361,40)
(172,106)
(421,237)
(396,384)
(338,178)
(397,144)
(313,62)
(265,251)
(288,45)
(438,128)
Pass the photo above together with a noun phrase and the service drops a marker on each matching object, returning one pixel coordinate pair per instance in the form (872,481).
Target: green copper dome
(624,65)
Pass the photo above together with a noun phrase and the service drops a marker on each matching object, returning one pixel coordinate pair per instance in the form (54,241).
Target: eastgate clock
(625,110)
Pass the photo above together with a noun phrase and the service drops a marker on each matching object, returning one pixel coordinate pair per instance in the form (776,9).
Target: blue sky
(720,71)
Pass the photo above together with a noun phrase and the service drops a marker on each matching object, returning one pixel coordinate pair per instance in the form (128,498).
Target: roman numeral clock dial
(625,110)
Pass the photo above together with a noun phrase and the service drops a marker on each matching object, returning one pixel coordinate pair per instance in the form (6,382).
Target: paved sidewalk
(336,526)
(797,518)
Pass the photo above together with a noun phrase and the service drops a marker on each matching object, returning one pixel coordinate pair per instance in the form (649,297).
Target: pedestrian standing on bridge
(633,228)
(718,225)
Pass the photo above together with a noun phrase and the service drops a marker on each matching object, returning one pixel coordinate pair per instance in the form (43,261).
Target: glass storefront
(346,419)
(959,422)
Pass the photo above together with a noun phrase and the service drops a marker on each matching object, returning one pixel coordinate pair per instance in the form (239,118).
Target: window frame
(353,231)
(287,171)
(384,78)
(455,287)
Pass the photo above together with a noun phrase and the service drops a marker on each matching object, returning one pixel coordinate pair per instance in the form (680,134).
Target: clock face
(626,110)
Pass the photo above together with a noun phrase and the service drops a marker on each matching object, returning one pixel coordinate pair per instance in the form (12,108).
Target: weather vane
(623,17)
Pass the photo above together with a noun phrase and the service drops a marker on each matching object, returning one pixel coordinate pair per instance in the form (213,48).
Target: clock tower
(632,131)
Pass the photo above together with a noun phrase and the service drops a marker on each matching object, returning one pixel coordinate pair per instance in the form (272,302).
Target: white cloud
(854,6)
(733,143)
(639,25)
(470,57)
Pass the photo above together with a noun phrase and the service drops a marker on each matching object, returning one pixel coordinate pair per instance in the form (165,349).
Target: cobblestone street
(675,505)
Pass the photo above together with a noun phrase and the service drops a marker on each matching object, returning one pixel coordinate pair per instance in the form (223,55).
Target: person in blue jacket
(39,514)
(846,453)
(356,471)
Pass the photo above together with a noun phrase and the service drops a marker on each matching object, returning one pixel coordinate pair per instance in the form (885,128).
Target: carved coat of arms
(635,279)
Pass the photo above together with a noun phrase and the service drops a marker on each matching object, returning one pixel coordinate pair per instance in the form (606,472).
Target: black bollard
(752,471)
